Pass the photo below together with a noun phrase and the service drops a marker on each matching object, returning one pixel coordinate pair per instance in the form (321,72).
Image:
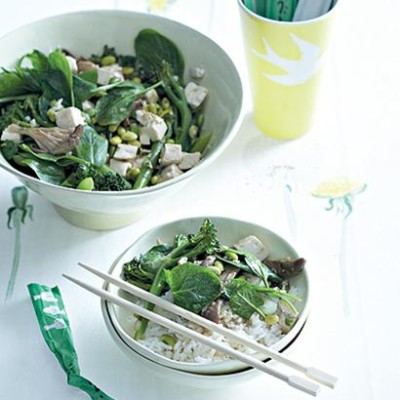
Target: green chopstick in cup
(279,10)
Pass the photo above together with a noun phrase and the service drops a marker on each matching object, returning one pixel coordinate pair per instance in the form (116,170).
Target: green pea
(108,60)
(121,130)
(86,184)
(271,319)
(170,141)
(127,71)
(232,256)
(113,128)
(51,115)
(155,179)
(169,340)
(165,103)
(128,136)
(115,140)
(133,173)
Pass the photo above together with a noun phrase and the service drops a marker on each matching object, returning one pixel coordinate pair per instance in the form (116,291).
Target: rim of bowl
(136,192)
(180,365)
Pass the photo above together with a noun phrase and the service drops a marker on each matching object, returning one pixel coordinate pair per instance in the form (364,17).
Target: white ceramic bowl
(110,210)
(229,232)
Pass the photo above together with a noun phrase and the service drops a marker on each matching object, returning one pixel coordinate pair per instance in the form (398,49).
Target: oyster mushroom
(51,140)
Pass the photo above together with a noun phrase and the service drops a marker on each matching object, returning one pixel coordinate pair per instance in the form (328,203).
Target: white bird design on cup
(298,71)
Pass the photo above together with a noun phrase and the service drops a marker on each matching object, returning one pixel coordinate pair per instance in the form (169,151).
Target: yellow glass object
(284,62)
(157,5)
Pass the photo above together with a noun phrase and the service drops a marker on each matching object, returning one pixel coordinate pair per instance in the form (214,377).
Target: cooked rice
(189,350)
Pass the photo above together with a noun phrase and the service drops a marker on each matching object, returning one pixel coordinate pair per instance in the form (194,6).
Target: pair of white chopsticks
(293,380)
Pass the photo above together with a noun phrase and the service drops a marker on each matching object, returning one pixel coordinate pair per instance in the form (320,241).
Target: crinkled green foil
(55,328)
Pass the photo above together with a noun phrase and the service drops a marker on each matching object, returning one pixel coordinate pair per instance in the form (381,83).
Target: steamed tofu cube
(153,125)
(171,154)
(8,134)
(87,105)
(137,162)
(72,64)
(125,152)
(69,117)
(170,172)
(252,245)
(104,74)
(121,167)
(144,138)
(189,160)
(151,96)
(195,94)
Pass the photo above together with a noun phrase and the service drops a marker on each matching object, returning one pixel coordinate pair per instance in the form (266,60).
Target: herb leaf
(243,298)
(152,49)
(92,147)
(193,287)
(45,170)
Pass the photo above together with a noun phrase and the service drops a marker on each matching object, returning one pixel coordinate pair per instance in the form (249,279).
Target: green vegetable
(92,147)
(205,241)
(176,94)
(46,171)
(251,264)
(104,178)
(243,298)
(153,49)
(117,105)
(201,143)
(16,217)
(147,168)
(193,287)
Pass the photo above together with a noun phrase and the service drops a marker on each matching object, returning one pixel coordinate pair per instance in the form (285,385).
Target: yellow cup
(284,62)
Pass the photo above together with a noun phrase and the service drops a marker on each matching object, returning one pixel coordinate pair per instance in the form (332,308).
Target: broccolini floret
(104,178)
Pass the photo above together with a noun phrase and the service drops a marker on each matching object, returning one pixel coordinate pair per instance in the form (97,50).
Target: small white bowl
(223,112)
(229,232)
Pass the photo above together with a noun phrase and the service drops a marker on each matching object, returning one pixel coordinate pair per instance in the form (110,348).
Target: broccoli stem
(205,241)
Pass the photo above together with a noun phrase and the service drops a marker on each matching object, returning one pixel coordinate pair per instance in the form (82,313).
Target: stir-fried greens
(107,122)
(199,272)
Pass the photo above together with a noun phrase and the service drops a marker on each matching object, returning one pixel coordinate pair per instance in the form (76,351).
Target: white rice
(189,350)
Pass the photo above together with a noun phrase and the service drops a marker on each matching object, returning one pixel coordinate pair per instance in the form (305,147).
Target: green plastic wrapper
(56,331)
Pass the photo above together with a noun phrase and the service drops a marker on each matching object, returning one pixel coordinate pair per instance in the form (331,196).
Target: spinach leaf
(193,287)
(152,260)
(88,76)
(252,265)
(117,105)
(152,49)
(9,149)
(45,170)
(244,299)
(60,75)
(92,147)
(38,60)
(83,89)
(62,161)
(12,84)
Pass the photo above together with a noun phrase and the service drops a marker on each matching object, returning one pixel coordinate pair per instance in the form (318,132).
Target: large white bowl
(229,232)
(76,32)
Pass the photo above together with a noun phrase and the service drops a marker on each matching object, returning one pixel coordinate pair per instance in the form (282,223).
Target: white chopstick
(292,380)
(313,373)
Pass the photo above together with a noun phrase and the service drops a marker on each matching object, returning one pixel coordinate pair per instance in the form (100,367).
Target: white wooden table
(356,134)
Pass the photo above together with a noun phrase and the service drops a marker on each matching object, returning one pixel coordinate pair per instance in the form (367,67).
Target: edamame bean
(108,60)
(86,184)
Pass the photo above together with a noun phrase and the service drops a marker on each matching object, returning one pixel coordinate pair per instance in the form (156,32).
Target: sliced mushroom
(229,273)
(51,140)
(213,311)
(286,268)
